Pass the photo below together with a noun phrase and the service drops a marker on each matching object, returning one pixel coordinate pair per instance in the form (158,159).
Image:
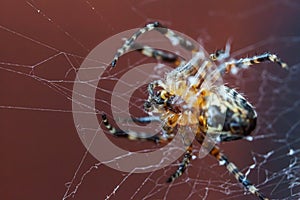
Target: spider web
(43,46)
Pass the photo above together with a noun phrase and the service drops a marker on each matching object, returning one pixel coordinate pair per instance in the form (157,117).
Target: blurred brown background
(45,41)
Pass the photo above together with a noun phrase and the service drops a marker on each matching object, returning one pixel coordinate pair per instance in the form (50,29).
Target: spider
(184,99)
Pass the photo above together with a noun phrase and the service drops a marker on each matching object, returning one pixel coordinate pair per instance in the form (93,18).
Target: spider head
(161,100)
(154,102)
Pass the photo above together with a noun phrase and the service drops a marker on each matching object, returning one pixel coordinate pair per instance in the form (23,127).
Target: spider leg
(215,56)
(221,54)
(233,66)
(231,167)
(239,176)
(133,135)
(183,165)
(146,120)
(225,137)
(158,54)
(174,39)
(142,120)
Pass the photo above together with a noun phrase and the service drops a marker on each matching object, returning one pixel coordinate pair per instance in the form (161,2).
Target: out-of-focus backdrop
(42,45)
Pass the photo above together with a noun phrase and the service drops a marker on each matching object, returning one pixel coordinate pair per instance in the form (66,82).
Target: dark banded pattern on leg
(131,134)
(239,176)
(183,165)
(158,54)
(235,65)
(146,120)
(216,55)
(143,120)
(174,39)
(126,46)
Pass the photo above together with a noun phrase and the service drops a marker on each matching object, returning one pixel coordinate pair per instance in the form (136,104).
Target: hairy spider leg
(233,66)
(133,135)
(160,55)
(214,56)
(174,39)
(187,68)
(143,120)
(146,119)
(230,166)
(239,176)
(157,139)
(183,165)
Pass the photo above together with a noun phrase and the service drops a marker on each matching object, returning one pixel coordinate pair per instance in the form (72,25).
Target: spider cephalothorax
(191,97)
